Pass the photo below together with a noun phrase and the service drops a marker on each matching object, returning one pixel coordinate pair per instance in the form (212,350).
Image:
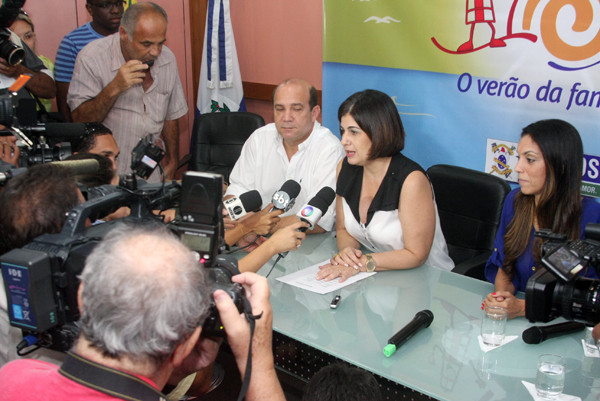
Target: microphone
(284,198)
(316,207)
(77,167)
(238,207)
(421,320)
(537,334)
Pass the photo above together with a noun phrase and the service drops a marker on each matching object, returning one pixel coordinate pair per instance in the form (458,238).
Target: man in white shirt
(294,147)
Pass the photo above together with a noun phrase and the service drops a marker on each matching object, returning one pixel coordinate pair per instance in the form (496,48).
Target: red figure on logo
(478,12)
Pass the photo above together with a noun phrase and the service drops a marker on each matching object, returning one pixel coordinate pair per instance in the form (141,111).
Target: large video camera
(41,278)
(559,290)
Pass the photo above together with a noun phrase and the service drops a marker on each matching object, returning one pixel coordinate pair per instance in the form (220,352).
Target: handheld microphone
(421,320)
(316,207)
(238,207)
(284,198)
(537,334)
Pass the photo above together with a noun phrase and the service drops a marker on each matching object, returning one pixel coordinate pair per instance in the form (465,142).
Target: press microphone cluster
(538,334)
(421,320)
(238,206)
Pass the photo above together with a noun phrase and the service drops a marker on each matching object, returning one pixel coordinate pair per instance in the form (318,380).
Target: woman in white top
(384,200)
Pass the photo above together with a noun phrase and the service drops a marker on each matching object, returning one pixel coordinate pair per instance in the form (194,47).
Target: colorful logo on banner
(481,19)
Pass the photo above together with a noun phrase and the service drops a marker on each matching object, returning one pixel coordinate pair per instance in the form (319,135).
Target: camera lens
(578,299)
(12,53)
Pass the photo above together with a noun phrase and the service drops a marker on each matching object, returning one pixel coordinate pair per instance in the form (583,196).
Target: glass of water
(493,325)
(590,342)
(550,379)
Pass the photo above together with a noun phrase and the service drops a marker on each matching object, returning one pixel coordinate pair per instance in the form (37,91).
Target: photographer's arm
(40,84)
(264,384)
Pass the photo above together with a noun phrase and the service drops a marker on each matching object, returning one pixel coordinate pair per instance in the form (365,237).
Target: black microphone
(239,206)
(421,320)
(316,207)
(284,198)
(537,334)
(60,130)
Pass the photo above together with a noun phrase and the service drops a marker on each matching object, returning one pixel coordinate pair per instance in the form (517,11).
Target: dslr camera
(558,289)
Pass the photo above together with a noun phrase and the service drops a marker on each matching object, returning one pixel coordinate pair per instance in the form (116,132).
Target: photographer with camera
(144,301)
(550,171)
(17,58)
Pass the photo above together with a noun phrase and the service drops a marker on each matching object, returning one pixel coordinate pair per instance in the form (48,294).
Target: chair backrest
(470,205)
(218,138)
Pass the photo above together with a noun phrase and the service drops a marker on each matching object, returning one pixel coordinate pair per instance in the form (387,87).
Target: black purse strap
(107,380)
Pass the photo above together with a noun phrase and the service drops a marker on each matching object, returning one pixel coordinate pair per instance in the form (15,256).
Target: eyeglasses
(107,5)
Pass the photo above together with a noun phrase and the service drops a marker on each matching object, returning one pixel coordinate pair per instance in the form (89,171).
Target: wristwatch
(371,265)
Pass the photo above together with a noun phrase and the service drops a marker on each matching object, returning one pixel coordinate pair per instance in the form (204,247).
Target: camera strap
(248,372)
(107,380)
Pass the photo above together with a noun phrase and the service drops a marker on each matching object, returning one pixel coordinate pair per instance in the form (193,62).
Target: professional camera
(41,278)
(201,224)
(9,51)
(558,290)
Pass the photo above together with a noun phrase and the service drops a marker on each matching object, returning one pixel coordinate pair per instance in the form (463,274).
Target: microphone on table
(238,206)
(284,198)
(316,207)
(537,334)
(421,320)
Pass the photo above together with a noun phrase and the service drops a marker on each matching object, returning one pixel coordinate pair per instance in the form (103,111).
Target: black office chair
(470,205)
(218,138)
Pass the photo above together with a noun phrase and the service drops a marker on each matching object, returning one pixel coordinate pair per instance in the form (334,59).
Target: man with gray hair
(129,82)
(143,298)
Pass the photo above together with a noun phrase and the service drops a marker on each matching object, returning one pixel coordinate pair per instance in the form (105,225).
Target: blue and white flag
(220,87)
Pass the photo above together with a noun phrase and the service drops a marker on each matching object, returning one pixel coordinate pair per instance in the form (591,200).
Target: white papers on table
(307,279)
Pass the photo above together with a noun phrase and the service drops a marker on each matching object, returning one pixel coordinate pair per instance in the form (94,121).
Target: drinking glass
(493,325)
(550,379)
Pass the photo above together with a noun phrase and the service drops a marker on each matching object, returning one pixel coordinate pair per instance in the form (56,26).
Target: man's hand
(130,73)
(238,328)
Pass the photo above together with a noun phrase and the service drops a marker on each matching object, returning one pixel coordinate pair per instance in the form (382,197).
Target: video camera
(40,140)
(558,290)
(41,278)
